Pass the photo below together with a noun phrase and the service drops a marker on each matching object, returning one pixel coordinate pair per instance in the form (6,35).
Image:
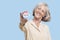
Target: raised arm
(22,22)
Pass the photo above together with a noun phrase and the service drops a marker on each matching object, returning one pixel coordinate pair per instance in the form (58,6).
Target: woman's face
(40,12)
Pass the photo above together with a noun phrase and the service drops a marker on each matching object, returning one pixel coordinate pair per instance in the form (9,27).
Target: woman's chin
(37,17)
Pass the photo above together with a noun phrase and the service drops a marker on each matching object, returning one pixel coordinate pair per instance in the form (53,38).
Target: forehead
(42,7)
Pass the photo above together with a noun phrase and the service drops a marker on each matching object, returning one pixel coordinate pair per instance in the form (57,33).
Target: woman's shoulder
(44,25)
(28,22)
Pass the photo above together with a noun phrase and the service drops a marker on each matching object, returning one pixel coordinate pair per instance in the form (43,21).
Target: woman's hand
(22,19)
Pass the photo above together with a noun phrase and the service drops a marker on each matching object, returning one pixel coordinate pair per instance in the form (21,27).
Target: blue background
(9,17)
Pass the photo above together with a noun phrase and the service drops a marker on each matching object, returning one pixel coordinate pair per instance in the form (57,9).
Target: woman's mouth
(38,14)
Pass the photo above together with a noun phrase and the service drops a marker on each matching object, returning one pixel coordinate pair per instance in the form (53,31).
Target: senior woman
(34,29)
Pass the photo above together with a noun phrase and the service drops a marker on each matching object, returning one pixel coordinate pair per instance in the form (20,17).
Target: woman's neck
(37,21)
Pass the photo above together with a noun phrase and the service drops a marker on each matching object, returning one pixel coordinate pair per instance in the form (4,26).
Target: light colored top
(32,32)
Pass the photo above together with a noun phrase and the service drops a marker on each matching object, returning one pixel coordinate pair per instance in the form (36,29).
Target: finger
(21,15)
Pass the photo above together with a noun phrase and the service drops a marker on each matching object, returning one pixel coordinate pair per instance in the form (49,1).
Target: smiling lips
(38,14)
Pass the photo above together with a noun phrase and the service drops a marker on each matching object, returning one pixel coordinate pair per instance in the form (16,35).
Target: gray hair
(47,17)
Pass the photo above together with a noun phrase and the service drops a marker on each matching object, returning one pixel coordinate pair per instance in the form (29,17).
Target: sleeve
(21,26)
(24,27)
(48,31)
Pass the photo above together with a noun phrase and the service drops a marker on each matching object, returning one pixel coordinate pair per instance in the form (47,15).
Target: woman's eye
(39,8)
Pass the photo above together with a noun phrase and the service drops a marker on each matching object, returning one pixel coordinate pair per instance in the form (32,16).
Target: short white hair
(47,16)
